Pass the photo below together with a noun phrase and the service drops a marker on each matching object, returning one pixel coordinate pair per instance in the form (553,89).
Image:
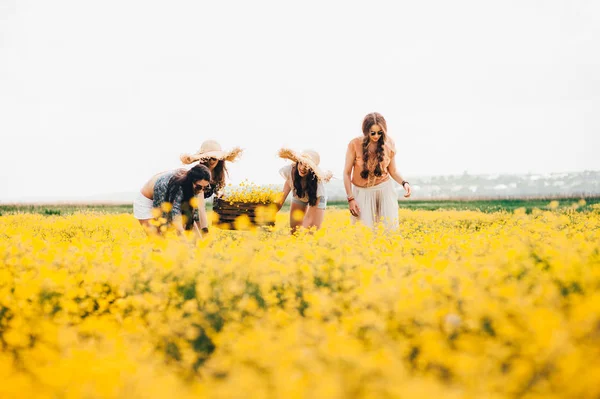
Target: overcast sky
(97,96)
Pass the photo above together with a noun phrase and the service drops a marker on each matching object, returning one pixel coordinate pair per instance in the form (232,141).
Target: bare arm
(284,194)
(202,211)
(178,223)
(197,230)
(396,176)
(348,166)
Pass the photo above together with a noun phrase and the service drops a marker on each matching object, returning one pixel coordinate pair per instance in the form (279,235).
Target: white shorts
(142,207)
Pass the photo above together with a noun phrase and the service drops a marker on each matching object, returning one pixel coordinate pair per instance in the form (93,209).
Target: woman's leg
(297,212)
(313,218)
(315,214)
(148,228)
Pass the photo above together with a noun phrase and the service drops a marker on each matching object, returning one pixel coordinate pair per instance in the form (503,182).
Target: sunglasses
(212,159)
(200,187)
(379,133)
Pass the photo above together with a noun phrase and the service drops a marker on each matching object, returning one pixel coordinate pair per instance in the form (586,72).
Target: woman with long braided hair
(368,173)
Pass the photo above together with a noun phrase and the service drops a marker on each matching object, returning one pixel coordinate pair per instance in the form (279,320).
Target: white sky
(96,96)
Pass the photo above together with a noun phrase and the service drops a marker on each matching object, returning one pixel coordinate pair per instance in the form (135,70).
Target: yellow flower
(455,304)
(166,207)
(247,192)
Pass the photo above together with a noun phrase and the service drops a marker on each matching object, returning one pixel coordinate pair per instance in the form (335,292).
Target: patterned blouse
(161,195)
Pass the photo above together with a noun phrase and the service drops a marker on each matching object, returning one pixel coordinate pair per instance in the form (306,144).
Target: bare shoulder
(355,142)
(389,142)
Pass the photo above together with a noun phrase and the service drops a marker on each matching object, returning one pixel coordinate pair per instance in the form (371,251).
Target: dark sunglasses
(200,187)
(379,133)
(212,159)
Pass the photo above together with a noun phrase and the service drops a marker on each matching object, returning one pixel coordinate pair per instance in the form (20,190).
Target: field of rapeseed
(458,304)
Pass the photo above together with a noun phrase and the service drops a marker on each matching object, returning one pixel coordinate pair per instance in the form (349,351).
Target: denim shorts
(322,202)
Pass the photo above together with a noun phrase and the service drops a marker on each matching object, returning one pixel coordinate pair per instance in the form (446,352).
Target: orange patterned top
(389,150)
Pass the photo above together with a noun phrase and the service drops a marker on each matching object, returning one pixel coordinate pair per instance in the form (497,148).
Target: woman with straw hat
(370,167)
(213,157)
(306,180)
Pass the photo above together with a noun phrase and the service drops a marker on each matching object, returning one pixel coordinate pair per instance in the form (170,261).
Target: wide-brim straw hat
(212,149)
(309,158)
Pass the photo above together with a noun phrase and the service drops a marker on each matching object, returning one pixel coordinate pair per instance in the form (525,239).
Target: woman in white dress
(369,172)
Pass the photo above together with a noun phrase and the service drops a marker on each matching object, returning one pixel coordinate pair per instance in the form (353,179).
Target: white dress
(377,204)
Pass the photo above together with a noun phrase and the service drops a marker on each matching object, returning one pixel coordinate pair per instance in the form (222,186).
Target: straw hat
(211,149)
(309,158)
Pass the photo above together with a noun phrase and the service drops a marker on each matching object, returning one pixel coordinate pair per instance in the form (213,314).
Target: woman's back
(148,188)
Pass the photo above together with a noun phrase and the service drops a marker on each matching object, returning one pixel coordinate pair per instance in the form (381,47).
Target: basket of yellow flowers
(245,206)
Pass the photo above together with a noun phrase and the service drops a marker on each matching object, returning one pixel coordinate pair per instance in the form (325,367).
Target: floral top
(161,195)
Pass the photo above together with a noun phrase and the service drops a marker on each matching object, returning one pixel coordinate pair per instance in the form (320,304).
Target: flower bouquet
(245,206)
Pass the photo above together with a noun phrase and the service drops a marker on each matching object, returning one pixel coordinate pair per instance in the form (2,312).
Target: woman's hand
(279,205)
(354,208)
(407,189)
(396,176)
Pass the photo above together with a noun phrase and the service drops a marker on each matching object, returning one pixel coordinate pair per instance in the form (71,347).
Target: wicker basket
(229,211)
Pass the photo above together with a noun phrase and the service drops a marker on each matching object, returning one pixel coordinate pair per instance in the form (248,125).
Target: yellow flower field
(456,305)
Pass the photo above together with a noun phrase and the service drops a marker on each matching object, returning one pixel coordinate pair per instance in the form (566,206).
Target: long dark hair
(218,176)
(185,180)
(310,186)
(374,118)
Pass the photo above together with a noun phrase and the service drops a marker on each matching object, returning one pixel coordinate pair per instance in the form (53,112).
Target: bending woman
(306,180)
(368,173)
(181,189)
